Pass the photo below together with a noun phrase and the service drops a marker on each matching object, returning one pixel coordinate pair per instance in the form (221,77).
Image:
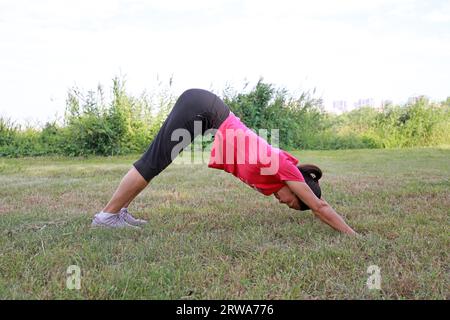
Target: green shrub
(298,119)
(125,125)
(8,131)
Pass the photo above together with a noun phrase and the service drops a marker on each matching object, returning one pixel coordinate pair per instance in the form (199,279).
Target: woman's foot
(128,218)
(110,220)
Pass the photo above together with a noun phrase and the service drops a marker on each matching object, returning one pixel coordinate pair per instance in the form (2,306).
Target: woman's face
(286,196)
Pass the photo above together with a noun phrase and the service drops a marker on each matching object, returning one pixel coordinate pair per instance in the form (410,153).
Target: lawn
(212,237)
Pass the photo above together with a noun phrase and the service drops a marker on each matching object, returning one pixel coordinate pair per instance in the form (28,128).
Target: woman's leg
(130,186)
(193,105)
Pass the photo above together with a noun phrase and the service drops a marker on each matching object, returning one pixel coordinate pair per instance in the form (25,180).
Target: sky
(345,50)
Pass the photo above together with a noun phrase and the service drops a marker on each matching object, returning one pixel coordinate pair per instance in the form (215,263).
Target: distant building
(340,105)
(385,103)
(369,102)
(415,99)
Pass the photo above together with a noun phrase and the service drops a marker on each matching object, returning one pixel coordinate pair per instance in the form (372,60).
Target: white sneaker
(128,218)
(110,220)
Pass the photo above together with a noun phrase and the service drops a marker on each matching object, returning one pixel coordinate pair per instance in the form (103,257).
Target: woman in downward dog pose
(236,149)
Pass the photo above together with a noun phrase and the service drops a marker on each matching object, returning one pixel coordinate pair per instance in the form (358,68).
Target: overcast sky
(347,49)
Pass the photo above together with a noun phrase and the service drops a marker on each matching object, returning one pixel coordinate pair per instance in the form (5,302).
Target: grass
(212,237)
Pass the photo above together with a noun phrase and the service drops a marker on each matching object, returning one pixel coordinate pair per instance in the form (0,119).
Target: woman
(268,170)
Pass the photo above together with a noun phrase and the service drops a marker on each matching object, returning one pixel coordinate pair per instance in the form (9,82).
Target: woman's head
(286,196)
(311,174)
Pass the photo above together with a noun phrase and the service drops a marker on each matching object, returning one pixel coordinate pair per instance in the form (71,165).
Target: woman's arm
(319,207)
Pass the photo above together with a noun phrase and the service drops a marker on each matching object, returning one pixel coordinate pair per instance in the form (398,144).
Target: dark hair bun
(310,170)
(312,174)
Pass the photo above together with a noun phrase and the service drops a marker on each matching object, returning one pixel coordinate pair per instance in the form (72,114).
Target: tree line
(123,124)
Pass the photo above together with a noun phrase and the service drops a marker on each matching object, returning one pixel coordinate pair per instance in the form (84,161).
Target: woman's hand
(319,207)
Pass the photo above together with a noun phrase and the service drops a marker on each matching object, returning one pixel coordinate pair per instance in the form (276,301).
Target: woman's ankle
(111,209)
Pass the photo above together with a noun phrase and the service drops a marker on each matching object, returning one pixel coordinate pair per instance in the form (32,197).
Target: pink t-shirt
(238,150)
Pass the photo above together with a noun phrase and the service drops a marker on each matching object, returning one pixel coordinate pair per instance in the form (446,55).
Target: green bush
(298,119)
(123,126)
(418,124)
(8,132)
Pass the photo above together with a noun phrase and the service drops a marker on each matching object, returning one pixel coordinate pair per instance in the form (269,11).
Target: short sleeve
(288,170)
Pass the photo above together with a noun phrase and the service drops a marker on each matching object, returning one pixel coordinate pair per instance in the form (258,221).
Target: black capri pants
(193,105)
